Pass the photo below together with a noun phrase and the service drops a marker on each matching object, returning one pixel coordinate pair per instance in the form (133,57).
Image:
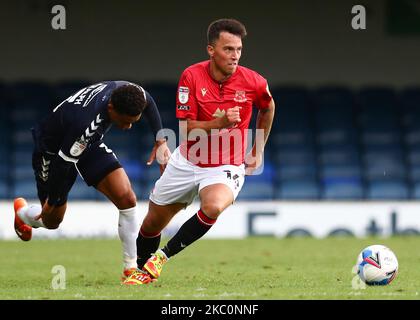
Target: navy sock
(147,244)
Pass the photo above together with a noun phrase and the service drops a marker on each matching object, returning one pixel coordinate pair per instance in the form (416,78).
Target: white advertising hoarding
(280,219)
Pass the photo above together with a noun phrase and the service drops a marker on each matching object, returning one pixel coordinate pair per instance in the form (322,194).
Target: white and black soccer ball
(377,265)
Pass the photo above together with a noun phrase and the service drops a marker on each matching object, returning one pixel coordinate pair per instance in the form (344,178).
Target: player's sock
(31,215)
(147,243)
(128,229)
(192,230)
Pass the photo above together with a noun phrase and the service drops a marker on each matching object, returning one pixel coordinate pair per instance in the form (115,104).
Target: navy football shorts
(94,165)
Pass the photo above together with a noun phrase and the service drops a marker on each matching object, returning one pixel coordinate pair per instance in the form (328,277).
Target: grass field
(253,268)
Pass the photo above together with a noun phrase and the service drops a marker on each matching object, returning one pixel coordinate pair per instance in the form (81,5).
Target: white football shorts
(182,181)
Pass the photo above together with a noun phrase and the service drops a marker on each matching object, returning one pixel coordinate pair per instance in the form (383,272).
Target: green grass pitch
(252,268)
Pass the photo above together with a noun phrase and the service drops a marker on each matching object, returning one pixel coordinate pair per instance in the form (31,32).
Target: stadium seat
(336,136)
(378,98)
(292,171)
(22,171)
(22,157)
(291,138)
(294,113)
(25,188)
(387,190)
(339,155)
(293,155)
(341,182)
(164,95)
(133,168)
(383,138)
(151,173)
(144,188)
(389,171)
(412,136)
(414,173)
(415,194)
(342,189)
(4,189)
(340,171)
(413,156)
(80,191)
(298,190)
(384,156)
(38,93)
(291,96)
(256,190)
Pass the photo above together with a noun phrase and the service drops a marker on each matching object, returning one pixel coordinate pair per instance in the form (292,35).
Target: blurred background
(347,124)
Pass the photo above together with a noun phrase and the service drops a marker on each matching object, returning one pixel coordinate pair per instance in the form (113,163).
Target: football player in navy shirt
(69,142)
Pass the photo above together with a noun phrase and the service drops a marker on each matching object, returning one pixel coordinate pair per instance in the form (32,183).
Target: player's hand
(161,153)
(232,117)
(252,163)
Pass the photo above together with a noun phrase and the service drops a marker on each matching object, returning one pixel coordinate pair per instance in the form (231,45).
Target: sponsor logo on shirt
(219,113)
(203,91)
(183,108)
(183,93)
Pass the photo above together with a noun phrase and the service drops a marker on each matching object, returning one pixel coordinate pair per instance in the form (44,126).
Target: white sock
(31,215)
(128,230)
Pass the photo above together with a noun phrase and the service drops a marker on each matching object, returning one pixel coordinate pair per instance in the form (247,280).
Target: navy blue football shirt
(82,119)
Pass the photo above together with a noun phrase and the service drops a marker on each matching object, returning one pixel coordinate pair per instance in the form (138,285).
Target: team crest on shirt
(183,93)
(240,96)
(78,147)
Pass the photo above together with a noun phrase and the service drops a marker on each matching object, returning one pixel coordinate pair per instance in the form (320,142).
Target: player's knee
(212,210)
(126,199)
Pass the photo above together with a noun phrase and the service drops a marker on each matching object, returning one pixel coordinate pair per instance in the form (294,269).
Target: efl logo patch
(183,93)
(78,147)
(184,108)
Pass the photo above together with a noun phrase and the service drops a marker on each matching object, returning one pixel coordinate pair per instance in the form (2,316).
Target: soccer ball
(377,265)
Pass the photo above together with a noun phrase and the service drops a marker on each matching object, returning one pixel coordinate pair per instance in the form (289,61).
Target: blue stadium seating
(328,143)
(304,189)
(387,190)
(256,190)
(416,191)
(339,155)
(4,190)
(290,171)
(81,191)
(342,190)
(25,188)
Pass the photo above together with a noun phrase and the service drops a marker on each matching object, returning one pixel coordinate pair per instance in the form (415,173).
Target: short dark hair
(228,25)
(128,100)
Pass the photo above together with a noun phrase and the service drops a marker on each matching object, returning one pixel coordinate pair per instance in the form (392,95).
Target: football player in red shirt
(214,105)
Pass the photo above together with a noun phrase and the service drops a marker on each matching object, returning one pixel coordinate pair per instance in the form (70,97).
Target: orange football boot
(23,230)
